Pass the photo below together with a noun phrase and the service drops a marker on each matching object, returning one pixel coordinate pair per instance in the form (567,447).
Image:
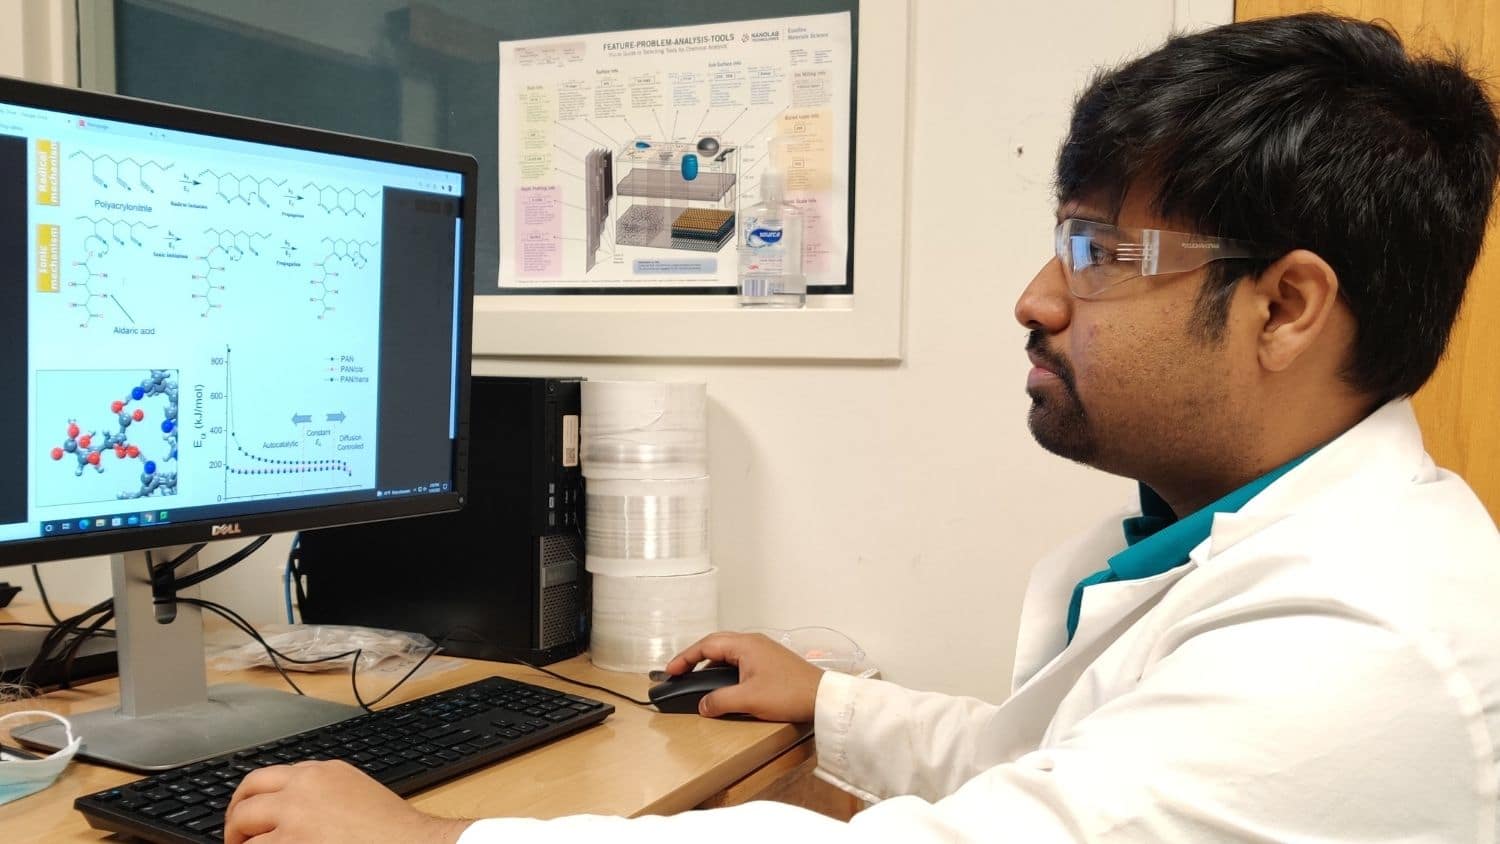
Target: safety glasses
(1098,256)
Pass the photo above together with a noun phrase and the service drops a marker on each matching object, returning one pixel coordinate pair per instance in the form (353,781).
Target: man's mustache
(1036,344)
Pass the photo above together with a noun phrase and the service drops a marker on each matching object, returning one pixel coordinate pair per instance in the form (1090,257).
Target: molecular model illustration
(89,448)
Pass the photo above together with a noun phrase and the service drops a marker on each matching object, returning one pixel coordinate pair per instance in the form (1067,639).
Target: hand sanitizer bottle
(770,249)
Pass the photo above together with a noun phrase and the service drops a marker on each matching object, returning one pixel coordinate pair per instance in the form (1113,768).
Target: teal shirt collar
(1157,541)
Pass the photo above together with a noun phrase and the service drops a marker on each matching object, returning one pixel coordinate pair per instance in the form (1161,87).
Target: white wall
(37,40)
(900,504)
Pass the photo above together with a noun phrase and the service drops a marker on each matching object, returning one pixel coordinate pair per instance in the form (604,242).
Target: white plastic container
(641,622)
(644,429)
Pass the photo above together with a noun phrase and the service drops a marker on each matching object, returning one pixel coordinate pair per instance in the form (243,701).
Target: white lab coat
(1325,667)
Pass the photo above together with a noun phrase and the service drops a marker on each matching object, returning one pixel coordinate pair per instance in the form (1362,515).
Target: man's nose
(1045,304)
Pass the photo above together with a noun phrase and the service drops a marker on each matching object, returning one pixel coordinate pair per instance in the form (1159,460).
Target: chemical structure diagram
(93,278)
(88,448)
(90,299)
(340,251)
(119,231)
(345,201)
(227,245)
(233,187)
(249,189)
(107,169)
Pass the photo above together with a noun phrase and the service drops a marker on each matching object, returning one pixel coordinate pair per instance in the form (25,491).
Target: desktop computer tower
(501,579)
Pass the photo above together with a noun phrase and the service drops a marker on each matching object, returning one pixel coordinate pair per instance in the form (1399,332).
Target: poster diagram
(115,435)
(626,157)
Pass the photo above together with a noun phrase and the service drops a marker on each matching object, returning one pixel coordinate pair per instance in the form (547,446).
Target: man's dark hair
(1315,132)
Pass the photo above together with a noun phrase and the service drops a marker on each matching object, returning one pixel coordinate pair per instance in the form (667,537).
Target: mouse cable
(550,673)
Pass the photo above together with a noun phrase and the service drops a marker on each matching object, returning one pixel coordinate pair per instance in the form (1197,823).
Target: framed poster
(596,256)
(628,158)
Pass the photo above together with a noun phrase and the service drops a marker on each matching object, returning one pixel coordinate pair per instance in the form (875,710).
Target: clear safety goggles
(1098,256)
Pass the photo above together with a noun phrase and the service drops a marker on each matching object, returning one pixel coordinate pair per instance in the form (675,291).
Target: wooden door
(1460,407)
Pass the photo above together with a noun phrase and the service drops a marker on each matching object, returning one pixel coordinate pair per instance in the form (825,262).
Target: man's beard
(1059,422)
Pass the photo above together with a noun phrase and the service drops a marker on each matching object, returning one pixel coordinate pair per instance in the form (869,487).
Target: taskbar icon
(94,523)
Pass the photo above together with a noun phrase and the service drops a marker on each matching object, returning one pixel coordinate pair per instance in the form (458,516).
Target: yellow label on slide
(46,172)
(48,244)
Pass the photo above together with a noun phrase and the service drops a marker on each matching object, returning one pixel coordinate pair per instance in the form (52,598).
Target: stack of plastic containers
(645,464)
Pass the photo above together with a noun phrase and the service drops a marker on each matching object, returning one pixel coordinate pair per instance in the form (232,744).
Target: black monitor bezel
(181,118)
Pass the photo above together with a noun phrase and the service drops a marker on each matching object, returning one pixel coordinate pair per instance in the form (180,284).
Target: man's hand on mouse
(327,801)
(775,683)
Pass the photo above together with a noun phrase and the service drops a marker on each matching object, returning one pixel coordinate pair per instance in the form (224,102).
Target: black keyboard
(406,748)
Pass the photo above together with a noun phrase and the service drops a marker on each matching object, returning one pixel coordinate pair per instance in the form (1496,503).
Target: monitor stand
(168,714)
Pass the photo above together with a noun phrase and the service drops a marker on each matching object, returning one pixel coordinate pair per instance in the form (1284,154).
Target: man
(1264,234)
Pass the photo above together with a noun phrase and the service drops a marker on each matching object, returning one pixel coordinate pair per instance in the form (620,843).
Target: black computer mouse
(680,694)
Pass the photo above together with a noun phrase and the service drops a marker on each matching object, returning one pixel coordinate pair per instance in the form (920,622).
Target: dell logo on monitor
(231,529)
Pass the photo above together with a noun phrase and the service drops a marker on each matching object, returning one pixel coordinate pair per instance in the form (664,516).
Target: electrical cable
(294,561)
(296,581)
(78,641)
(100,614)
(163,589)
(67,635)
(423,661)
(36,574)
(182,558)
(223,565)
(58,638)
(245,627)
(68,626)
(286,577)
(164,584)
(277,656)
(108,634)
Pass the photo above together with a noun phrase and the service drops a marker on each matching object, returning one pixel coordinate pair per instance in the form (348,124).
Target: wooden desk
(638,762)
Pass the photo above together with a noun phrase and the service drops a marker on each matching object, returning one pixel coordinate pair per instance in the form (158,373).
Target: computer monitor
(210,327)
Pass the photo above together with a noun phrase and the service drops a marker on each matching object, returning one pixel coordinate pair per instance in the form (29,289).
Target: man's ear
(1297,296)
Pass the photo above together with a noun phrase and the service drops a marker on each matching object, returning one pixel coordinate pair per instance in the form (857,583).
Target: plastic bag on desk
(824,647)
(333,645)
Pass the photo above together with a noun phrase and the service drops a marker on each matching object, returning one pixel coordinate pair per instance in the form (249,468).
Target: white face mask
(20,777)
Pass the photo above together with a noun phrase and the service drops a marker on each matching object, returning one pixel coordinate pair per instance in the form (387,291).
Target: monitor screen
(212,326)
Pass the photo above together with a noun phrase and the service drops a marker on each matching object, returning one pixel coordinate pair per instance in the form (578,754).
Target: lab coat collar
(1384,448)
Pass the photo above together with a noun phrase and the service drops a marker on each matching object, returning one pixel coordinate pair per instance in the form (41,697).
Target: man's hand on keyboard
(328,801)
